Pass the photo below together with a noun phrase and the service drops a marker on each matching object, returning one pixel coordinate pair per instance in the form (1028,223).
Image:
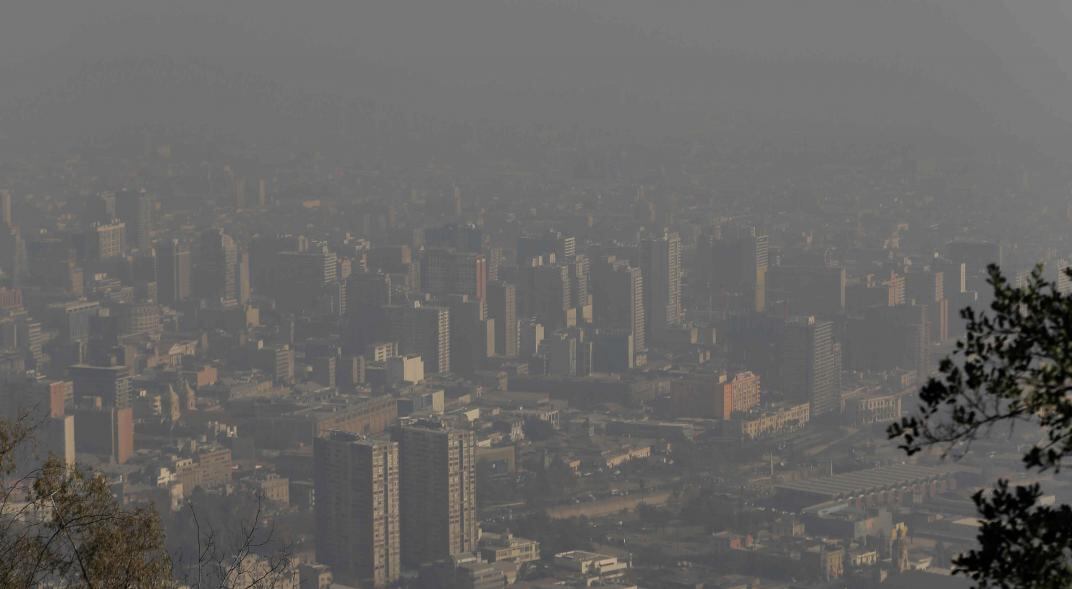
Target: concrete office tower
(107,242)
(101,208)
(325,369)
(422,330)
(461,237)
(579,270)
(561,352)
(976,256)
(135,210)
(735,268)
(59,439)
(530,338)
(544,293)
(216,271)
(811,364)
(563,247)
(6,216)
(660,262)
(366,290)
(238,192)
(105,431)
(445,271)
(618,300)
(366,295)
(356,481)
(174,269)
(405,370)
(296,278)
(277,361)
(244,284)
(349,372)
(502,307)
(438,499)
(805,290)
(472,334)
(262,193)
(743,391)
(110,383)
(54,438)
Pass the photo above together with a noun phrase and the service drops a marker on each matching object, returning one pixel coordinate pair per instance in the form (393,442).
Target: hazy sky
(872,60)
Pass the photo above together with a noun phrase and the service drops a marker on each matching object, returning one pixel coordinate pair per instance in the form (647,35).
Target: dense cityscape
(482,356)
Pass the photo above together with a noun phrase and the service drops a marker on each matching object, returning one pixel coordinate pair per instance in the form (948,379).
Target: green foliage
(1021,543)
(548,484)
(1013,366)
(66,529)
(555,535)
(62,527)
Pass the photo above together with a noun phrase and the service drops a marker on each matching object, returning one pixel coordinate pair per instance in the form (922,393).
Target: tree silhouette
(62,527)
(1014,366)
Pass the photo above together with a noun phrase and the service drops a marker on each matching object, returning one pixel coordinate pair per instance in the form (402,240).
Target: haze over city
(531,294)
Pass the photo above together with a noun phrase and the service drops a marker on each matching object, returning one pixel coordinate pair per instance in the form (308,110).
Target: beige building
(357,508)
(776,421)
(508,548)
(438,482)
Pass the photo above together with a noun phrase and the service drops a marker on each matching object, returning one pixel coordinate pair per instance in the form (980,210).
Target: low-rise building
(509,548)
(591,566)
(775,421)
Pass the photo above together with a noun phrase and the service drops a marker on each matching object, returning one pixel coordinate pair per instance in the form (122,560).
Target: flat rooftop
(863,481)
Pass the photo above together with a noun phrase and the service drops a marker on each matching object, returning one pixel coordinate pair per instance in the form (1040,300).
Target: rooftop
(863,481)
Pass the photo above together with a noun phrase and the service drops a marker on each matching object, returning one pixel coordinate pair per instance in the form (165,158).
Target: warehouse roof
(864,481)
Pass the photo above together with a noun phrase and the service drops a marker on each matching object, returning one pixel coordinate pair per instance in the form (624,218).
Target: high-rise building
(701,395)
(561,352)
(660,262)
(135,210)
(472,334)
(579,270)
(618,300)
(563,247)
(811,364)
(530,337)
(544,293)
(612,351)
(238,192)
(72,319)
(887,338)
(6,216)
(422,330)
(805,290)
(733,269)
(277,361)
(105,431)
(743,391)
(13,252)
(445,271)
(244,281)
(107,241)
(502,307)
(349,371)
(101,208)
(357,484)
(51,263)
(976,256)
(216,271)
(437,467)
(110,383)
(366,295)
(367,290)
(297,278)
(461,237)
(324,370)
